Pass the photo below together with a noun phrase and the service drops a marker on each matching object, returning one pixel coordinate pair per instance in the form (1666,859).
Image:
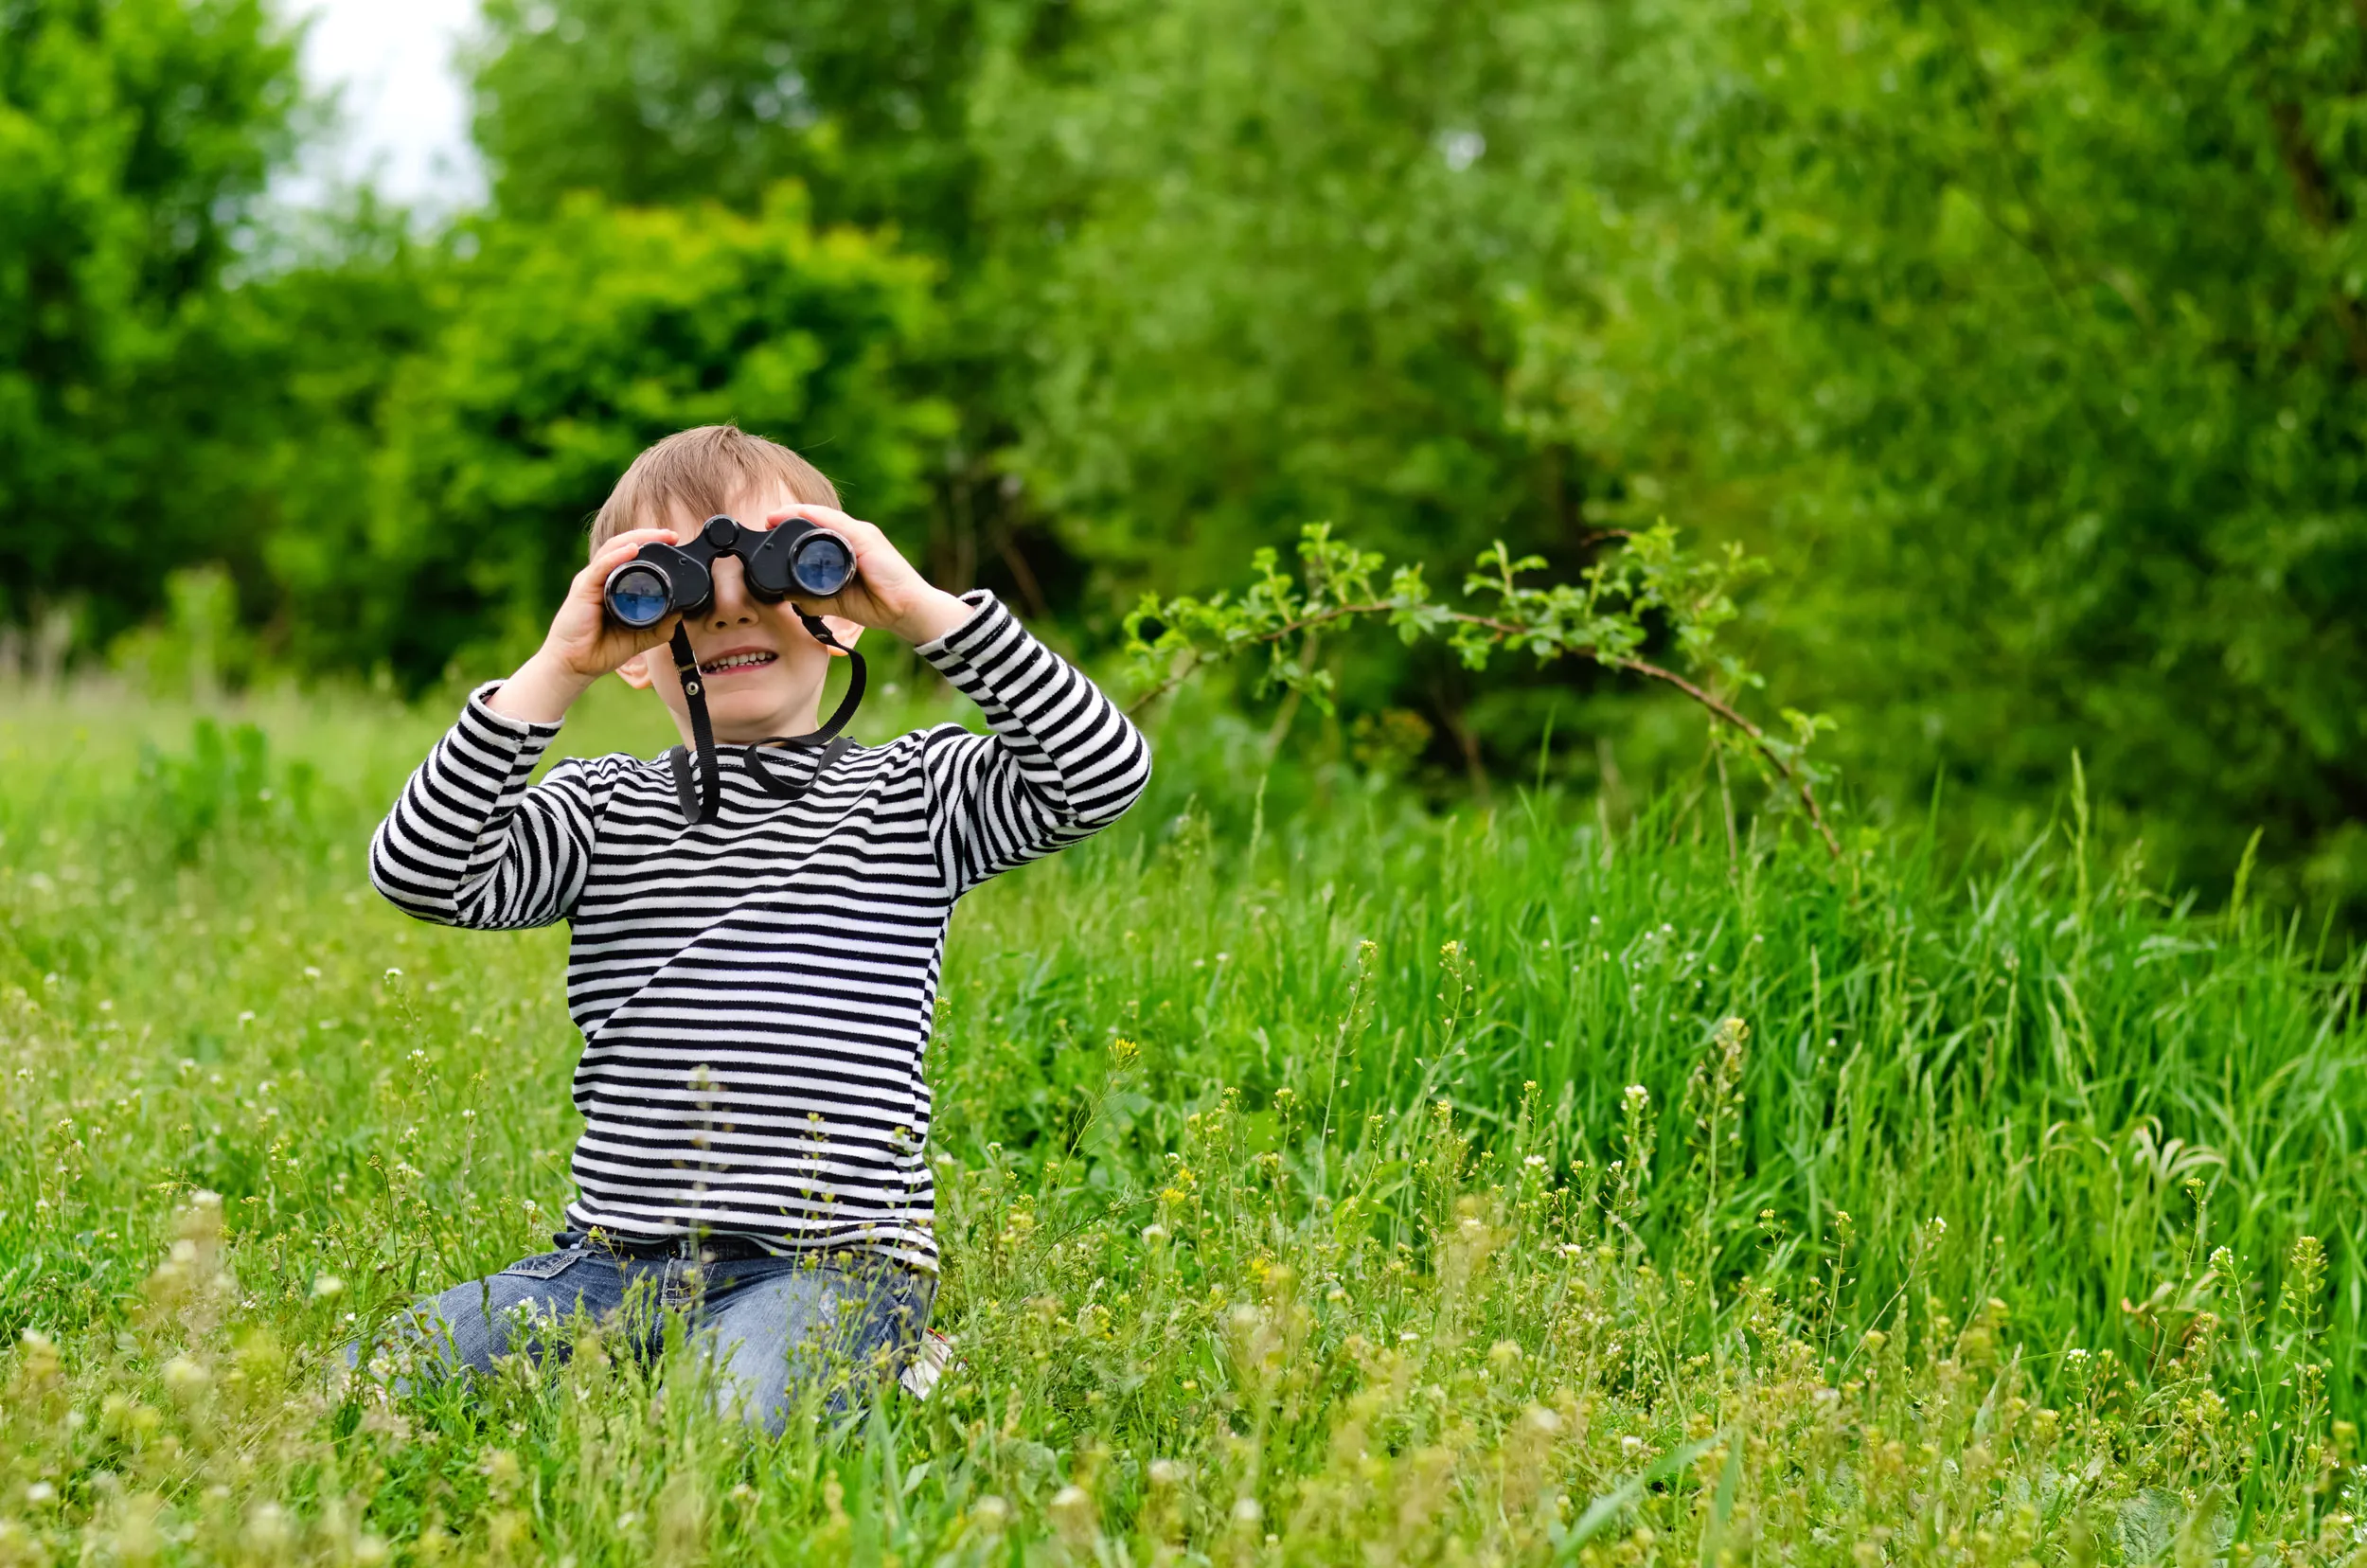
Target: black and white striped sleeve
(468,844)
(1063,761)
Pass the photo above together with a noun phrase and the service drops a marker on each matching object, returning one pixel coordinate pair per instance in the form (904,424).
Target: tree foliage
(136,136)
(2024,343)
(869,104)
(564,347)
(1602,618)
(863,101)
(1275,245)
(2029,343)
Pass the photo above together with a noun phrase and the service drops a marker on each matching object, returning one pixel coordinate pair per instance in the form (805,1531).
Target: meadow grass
(1324,1179)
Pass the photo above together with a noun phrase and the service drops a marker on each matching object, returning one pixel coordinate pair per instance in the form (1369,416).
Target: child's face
(762,669)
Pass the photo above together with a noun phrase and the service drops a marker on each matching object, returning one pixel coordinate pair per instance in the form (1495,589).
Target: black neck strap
(704,801)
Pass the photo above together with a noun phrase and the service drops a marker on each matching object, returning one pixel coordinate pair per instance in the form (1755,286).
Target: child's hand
(583,639)
(583,644)
(886,592)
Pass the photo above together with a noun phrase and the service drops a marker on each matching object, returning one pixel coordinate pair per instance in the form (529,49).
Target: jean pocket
(545,1265)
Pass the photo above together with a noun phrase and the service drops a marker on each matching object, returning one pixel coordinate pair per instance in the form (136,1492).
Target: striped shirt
(755,992)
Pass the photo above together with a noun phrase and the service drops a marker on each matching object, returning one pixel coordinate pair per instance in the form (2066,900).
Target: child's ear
(635,672)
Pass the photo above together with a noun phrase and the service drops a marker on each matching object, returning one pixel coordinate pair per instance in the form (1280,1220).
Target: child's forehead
(749,508)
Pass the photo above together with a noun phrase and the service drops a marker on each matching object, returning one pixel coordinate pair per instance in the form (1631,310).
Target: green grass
(1324,1181)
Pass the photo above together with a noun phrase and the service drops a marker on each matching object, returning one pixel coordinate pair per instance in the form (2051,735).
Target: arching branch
(1598,619)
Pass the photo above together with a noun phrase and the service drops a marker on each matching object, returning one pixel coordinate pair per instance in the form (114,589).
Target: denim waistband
(709,1248)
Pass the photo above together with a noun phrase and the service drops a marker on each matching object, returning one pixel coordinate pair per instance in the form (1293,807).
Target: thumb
(843,630)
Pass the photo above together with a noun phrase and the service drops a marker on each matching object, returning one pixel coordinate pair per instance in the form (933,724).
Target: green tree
(2030,342)
(648,103)
(867,102)
(1273,248)
(136,136)
(565,346)
(1272,258)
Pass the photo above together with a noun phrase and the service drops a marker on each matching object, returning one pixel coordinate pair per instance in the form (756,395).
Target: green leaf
(1605,1510)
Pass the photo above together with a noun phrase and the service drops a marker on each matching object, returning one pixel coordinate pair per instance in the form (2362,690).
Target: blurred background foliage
(2026,341)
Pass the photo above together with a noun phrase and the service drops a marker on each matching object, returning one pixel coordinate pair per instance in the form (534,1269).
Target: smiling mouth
(730,663)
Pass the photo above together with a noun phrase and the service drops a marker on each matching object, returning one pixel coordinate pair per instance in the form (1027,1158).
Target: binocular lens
(823,563)
(639,594)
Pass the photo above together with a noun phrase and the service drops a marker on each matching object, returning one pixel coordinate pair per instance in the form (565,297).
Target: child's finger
(864,535)
(867,537)
(816,607)
(844,627)
(656,636)
(625,545)
(813,512)
(615,553)
(848,607)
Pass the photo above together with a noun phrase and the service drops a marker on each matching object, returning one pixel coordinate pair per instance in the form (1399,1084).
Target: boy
(755,992)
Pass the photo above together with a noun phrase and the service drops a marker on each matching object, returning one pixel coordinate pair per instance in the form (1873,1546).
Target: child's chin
(745,700)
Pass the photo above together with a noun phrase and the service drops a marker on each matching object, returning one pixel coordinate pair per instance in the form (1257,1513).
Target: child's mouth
(731,663)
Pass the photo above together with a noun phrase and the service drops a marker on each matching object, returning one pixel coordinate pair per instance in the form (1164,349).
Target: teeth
(738,660)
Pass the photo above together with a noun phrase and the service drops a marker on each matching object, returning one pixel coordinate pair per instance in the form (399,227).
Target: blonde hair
(702,471)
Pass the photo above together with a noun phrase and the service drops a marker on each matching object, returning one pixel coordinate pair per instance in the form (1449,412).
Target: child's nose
(732,606)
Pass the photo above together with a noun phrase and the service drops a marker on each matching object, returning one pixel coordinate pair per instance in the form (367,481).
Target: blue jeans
(767,1329)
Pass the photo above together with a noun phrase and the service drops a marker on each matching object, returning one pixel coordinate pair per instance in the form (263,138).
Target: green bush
(135,140)
(565,348)
(2029,343)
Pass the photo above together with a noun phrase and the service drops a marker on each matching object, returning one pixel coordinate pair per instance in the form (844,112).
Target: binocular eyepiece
(797,557)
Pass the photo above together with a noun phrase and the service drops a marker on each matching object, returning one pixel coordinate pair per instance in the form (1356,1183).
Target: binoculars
(798,556)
